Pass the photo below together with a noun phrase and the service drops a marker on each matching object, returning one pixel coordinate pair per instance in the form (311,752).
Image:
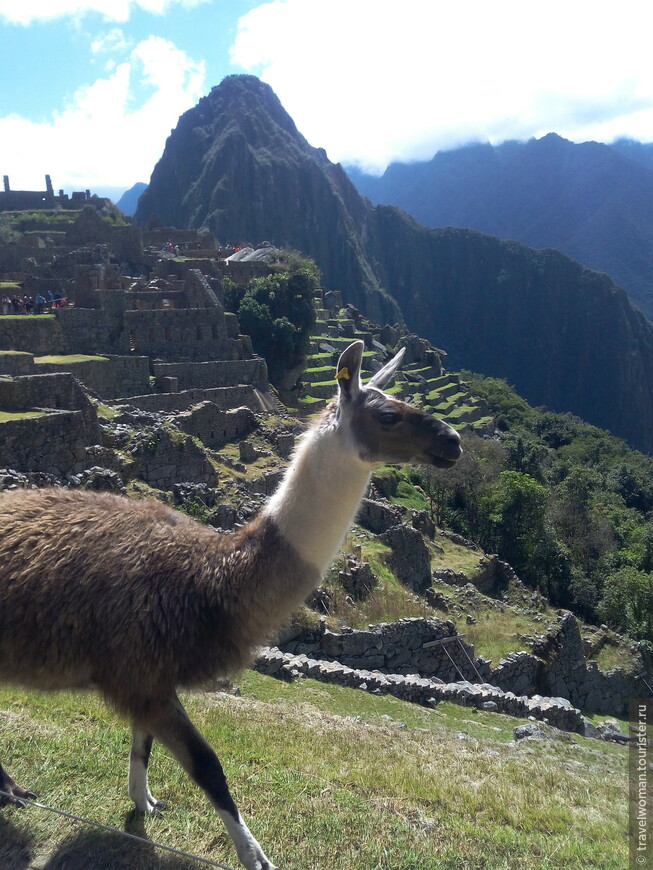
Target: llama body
(136,599)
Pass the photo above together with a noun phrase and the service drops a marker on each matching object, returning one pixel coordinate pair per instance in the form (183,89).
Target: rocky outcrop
(410,560)
(568,673)
(378,516)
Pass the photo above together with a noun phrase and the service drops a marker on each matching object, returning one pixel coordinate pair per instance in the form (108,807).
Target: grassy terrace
(70,358)
(357,782)
(28,317)
(6,416)
(443,395)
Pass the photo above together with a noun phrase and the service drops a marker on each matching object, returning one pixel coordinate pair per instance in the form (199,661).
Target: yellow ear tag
(343,373)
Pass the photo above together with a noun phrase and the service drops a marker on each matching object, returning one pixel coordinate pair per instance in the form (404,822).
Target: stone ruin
(143,327)
(425,661)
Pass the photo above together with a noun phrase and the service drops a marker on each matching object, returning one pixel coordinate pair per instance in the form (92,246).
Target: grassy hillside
(327,777)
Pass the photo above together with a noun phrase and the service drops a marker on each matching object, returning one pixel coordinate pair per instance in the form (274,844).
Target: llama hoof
(152,807)
(149,806)
(14,795)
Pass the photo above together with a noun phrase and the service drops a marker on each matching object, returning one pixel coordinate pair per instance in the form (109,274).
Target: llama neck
(319,497)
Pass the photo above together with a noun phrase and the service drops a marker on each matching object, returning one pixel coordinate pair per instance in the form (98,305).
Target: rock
(529,730)
(410,560)
(589,729)
(609,730)
(378,516)
(101,479)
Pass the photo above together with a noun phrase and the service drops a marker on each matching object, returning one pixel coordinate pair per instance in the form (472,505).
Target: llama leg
(170,725)
(139,758)
(17,794)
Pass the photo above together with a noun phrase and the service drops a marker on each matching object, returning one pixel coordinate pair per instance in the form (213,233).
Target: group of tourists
(33,305)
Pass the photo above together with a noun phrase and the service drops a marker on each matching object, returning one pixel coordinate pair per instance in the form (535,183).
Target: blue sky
(90,89)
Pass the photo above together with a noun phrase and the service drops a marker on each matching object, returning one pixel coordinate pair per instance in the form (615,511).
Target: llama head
(382,429)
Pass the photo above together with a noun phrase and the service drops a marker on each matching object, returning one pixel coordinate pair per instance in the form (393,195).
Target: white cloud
(99,138)
(30,11)
(111,42)
(374,80)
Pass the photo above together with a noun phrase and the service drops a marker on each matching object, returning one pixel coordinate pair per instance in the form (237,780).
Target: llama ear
(383,377)
(348,373)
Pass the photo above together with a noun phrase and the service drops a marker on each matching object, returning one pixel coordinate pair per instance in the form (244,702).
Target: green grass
(28,316)
(5,416)
(410,496)
(497,632)
(104,411)
(326,777)
(65,359)
(610,657)
(454,556)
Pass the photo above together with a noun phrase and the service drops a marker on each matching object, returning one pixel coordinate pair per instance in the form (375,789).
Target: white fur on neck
(319,496)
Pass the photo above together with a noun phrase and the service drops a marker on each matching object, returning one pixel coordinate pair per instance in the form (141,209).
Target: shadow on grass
(89,849)
(15,846)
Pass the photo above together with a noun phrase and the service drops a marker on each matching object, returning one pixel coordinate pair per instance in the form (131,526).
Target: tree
(627,602)
(515,510)
(277,312)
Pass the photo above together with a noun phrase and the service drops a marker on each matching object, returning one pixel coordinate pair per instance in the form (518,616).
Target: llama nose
(451,444)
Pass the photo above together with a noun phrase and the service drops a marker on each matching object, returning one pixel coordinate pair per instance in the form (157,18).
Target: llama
(135,599)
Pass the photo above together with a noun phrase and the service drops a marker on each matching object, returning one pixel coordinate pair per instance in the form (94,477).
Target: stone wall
(215,427)
(568,674)
(109,377)
(82,329)
(37,335)
(223,397)
(16,363)
(558,669)
(54,443)
(55,391)
(131,375)
(396,648)
(557,712)
(181,333)
(216,373)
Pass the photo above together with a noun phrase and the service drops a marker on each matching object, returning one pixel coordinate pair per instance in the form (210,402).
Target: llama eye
(389,418)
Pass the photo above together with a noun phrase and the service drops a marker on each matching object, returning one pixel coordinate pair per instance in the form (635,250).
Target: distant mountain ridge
(129,200)
(564,335)
(591,201)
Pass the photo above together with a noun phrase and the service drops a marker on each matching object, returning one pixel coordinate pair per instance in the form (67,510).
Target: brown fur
(133,597)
